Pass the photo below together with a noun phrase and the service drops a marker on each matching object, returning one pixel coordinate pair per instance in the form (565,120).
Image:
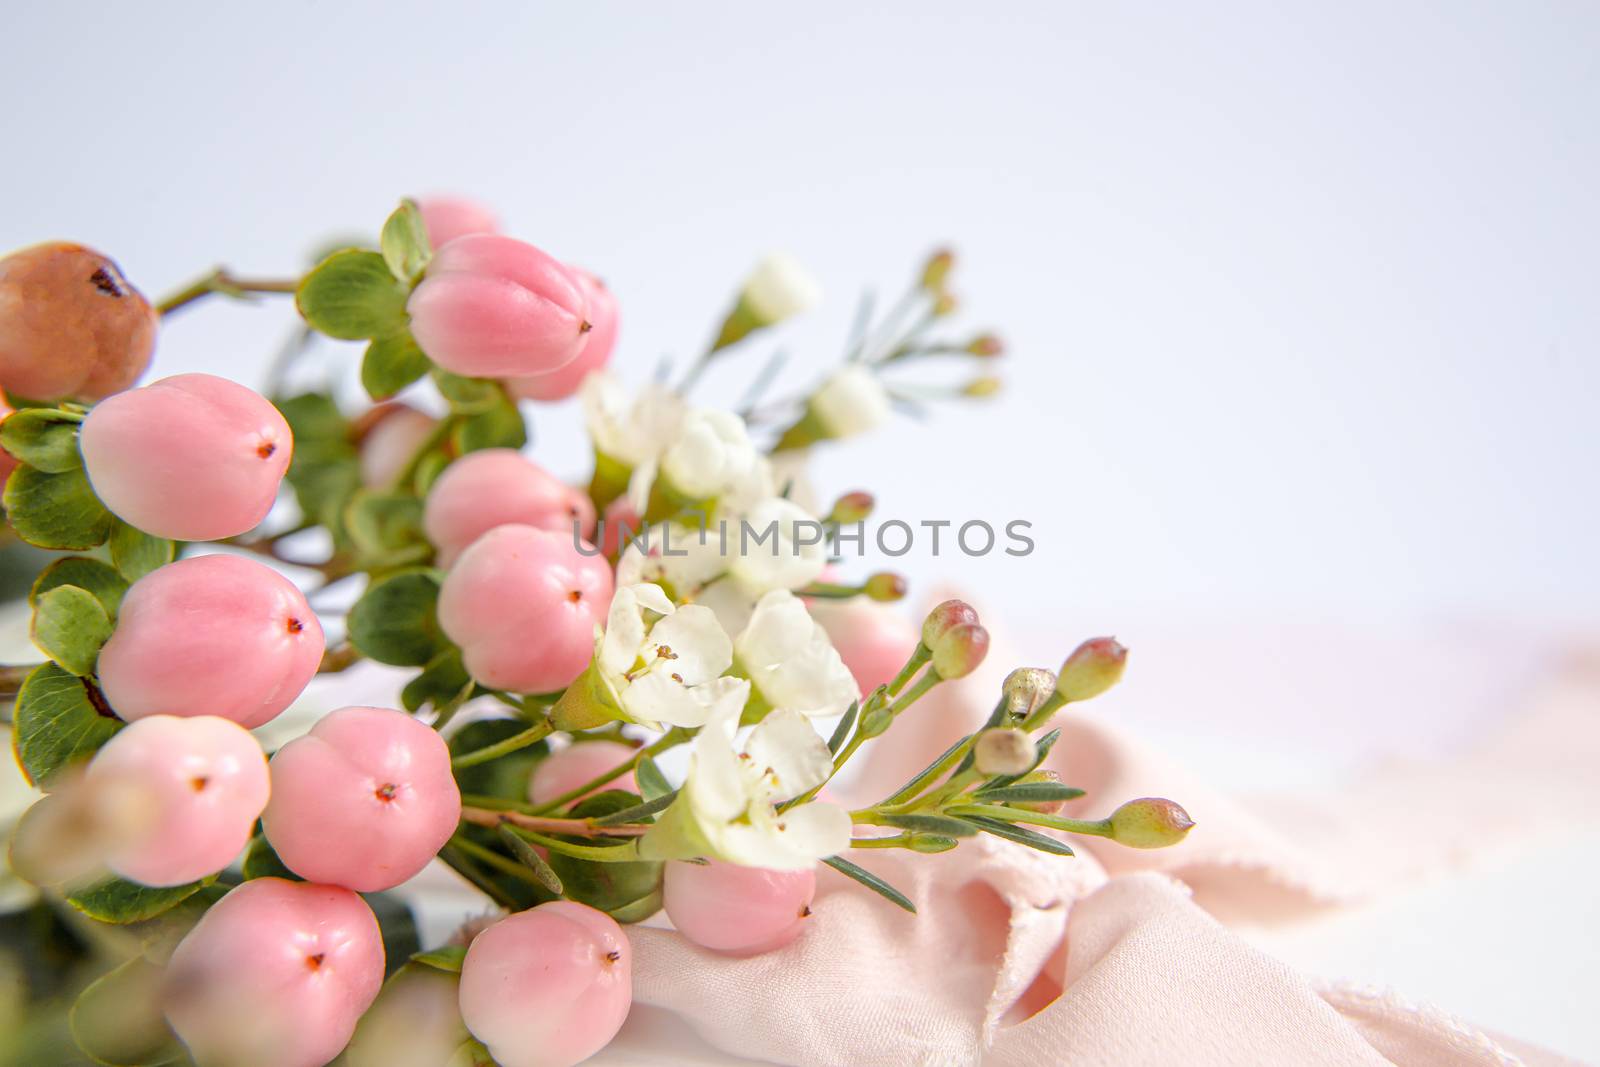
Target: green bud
(852,508)
(1003,750)
(960,650)
(1095,666)
(945,305)
(950,614)
(929,843)
(1025,689)
(874,722)
(1150,822)
(885,587)
(937,270)
(986,345)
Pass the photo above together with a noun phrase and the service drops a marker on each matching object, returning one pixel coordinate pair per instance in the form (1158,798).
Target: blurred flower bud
(1025,689)
(944,305)
(960,650)
(978,388)
(1003,750)
(853,401)
(1043,807)
(777,289)
(986,345)
(950,614)
(1095,666)
(852,508)
(1150,822)
(936,271)
(885,587)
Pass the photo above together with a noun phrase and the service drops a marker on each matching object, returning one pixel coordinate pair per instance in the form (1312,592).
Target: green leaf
(639,812)
(58,722)
(352,295)
(101,579)
(1021,835)
(871,881)
(391,363)
(448,958)
(117,901)
(396,621)
(118,1018)
(45,438)
(931,824)
(467,395)
(610,887)
(652,783)
(444,683)
(405,242)
(398,925)
(1028,793)
(506,777)
(499,426)
(841,733)
(380,522)
(69,625)
(56,510)
(136,553)
(529,857)
(261,861)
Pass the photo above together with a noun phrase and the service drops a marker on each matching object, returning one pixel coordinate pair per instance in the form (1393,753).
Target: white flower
(669,671)
(781,546)
(632,432)
(726,808)
(851,402)
(780,287)
(788,658)
(711,456)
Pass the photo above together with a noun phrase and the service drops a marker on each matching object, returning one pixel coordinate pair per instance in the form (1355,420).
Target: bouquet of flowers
(690,596)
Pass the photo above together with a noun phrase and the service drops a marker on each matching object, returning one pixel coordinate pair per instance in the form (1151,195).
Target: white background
(1301,302)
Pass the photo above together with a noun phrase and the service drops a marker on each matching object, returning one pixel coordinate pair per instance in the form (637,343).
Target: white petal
(624,632)
(691,644)
(652,597)
(714,785)
(788,754)
(788,656)
(779,545)
(656,698)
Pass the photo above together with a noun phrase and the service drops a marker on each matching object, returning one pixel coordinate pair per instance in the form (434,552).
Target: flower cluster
(557,639)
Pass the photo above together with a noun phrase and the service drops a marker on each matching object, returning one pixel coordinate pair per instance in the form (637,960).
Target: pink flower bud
(392,434)
(946,616)
(1094,666)
(70,324)
(986,345)
(1003,751)
(206,781)
(494,307)
(364,800)
(1150,822)
(737,911)
(885,587)
(193,457)
(211,635)
(960,650)
(873,640)
(936,271)
(496,486)
(522,603)
(852,508)
(275,974)
(565,769)
(547,987)
(596,352)
(449,217)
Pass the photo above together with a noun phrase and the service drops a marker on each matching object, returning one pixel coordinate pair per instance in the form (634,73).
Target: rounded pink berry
(364,800)
(206,782)
(393,434)
(566,769)
(523,603)
(449,217)
(193,457)
(873,639)
(547,987)
(494,307)
(738,911)
(496,486)
(211,635)
(596,352)
(275,974)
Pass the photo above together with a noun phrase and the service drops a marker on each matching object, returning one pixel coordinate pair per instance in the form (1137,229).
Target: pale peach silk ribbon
(1119,957)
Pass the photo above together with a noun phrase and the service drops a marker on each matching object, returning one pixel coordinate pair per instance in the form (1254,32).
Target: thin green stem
(489,856)
(1093,828)
(436,436)
(457,861)
(628,853)
(892,841)
(221,280)
(516,742)
(919,656)
(545,824)
(670,739)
